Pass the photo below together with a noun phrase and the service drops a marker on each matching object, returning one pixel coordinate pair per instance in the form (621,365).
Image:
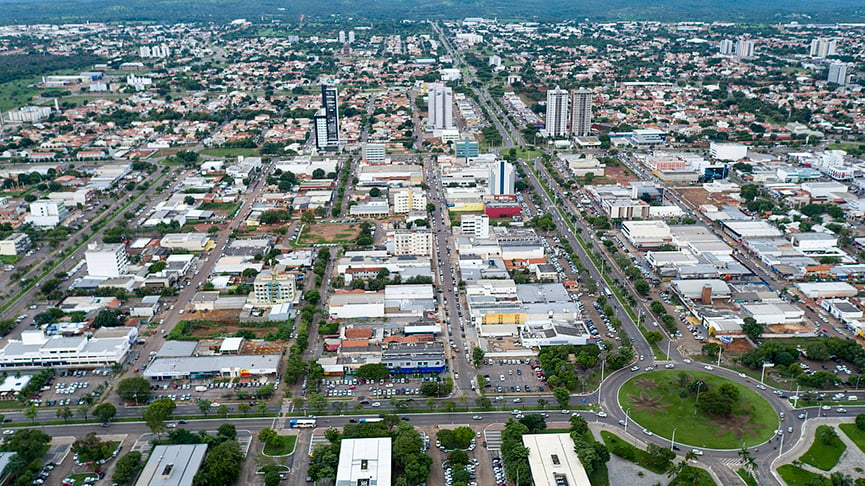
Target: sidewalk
(852,457)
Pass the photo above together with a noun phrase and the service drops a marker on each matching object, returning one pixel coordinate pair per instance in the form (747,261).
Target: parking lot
(72,387)
(215,389)
(371,391)
(512,376)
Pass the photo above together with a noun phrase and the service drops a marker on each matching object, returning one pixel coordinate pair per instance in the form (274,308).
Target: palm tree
(747,458)
(542,403)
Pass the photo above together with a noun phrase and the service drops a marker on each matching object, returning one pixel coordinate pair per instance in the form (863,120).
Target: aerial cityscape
(454,250)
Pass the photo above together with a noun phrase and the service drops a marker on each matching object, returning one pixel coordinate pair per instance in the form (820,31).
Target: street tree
(752,328)
(64,413)
(105,412)
(222,410)
(135,389)
(126,468)
(31,412)
(477,356)
(157,413)
(243,408)
(204,406)
(563,396)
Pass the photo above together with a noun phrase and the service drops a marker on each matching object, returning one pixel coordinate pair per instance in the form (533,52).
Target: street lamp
(673,439)
(627,416)
(697,401)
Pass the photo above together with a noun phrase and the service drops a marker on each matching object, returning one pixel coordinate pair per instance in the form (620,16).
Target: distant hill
(743,11)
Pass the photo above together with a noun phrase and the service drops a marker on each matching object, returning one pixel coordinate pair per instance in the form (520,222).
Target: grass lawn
(654,403)
(637,456)
(747,477)
(796,476)
(856,435)
(229,152)
(693,476)
(282,446)
(824,456)
(16,94)
(80,477)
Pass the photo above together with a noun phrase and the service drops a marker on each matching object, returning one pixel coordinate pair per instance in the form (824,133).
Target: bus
(369,420)
(301,423)
(608,292)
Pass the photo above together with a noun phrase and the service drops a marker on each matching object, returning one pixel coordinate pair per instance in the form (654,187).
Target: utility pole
(673,440)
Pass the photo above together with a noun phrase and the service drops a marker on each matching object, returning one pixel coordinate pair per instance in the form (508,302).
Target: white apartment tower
(745,48)
(342,37)
(407,200)
(350,36)
(412,242)
(272,287)
(557,113)
(106,260)
(501,178)
(440,100)
(581,112)
(823,47)
(726,47)
(838,73)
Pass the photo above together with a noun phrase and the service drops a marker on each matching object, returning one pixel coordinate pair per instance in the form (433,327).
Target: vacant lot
(320,234)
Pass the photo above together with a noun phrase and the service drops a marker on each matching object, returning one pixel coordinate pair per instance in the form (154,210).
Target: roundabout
(697,409)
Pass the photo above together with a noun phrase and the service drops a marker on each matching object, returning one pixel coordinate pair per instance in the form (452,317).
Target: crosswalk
(317,439)
(732,462)
(493,439)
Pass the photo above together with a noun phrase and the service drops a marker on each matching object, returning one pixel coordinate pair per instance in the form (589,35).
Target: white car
(708,367)
(602,414)
(376,404)
(686,361)
(697,452)
(8,432)
(647,432)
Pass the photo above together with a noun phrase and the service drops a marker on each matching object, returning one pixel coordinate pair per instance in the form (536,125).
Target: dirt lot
(696,195)
(329,233)
(201,328)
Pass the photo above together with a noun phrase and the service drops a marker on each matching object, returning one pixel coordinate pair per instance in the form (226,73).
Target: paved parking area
(511,376)
(69,387)
(349,388)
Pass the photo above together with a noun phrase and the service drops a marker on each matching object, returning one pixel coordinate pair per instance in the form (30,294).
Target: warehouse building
(553,461)
(172,465)
(228,366)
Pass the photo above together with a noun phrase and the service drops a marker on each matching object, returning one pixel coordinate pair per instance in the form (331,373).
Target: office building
(440,106)
(35,349)
(553,460)
(726,47)
(745,48)
(15,244)
(476,225)
(272,287)
(364,462)
(172,465)
(466,148)
(557,113)
(374,153)
(46,213)
(326,121)
(106,260)
(501,178)
(823,47)
(581,113)
(837,73)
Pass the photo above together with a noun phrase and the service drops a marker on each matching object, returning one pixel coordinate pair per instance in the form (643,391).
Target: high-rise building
(327,120)
(745,48)
(838,73)
(440,100)
(466,148)
(476,225)
(374,153)
(501,178)
(412,242)
(408,199)
(557,113)
(823,47)
(350,36)
(106,260)
(726,47)
(342,37)
(581,112)
(275,286)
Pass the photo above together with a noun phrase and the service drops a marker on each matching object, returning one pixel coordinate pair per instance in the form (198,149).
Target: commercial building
(106,260)
(374,153)
(186,241)
(330,104)
(272,287)
(466,148)
(827,290)
(705,291)
(407,200)
(501,178)
(38,350)
(15,244)
(728,151)
(412,242)
(414,357)
(476,225)
(172,465)
(46,213)
(646,234)
(440,104)
(364,462)
(226,366)
(352,304)
(557,113)
(408,300)
(581,113)
(553,460)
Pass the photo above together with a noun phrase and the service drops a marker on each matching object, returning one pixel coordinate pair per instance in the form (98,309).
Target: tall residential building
(106,260)
(501,179)
(412,242)
(823,47)
(440,101)
(745,48)
(838,73)
(15,244)
(726,47)
(350,36)
(320,129)
(477,225)
(273,287)
(342,37)
(46,214)
(557,113)
(330,105)
(407,200)
(581,112)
